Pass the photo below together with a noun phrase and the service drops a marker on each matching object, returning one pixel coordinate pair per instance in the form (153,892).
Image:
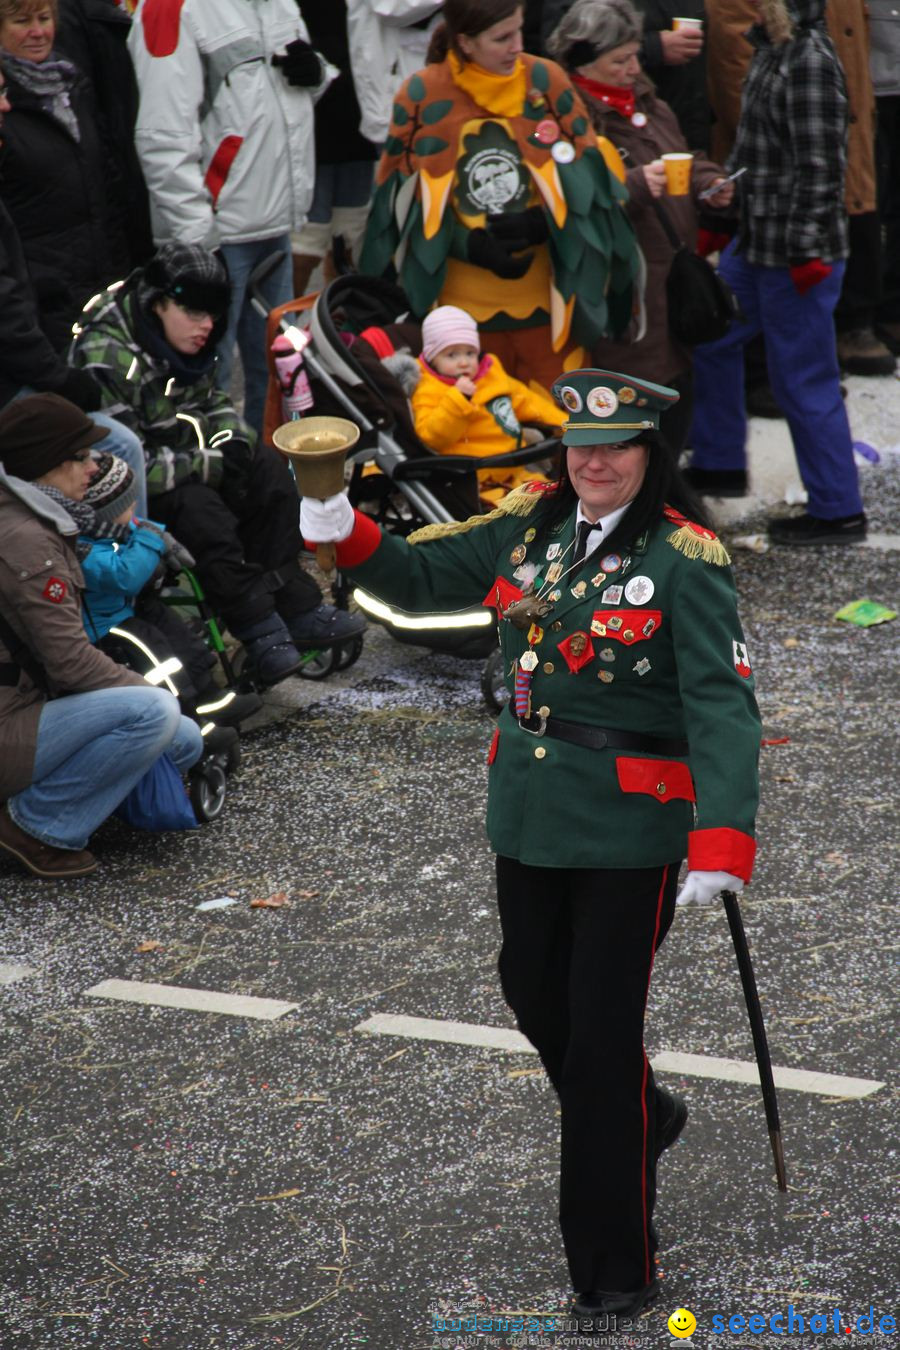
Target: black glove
(300,65)
(520,229)
(80,388)
(237,467)
(483,250)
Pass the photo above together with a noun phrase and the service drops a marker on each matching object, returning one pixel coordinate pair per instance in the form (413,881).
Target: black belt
(9,673)
(598,738)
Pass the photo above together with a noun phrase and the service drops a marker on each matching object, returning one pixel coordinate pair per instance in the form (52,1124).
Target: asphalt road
(175,1178)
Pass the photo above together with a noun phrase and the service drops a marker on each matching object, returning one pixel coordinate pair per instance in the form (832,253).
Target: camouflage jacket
(176,420)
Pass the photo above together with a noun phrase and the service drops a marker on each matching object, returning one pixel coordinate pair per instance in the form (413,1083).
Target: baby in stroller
(465,403)
(123,614)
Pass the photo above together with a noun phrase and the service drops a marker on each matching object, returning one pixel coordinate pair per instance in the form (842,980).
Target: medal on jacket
(525,612)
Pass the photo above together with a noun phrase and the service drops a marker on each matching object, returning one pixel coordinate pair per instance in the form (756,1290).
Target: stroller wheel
(318,664)
(207,791)
(349,653)
(493,688)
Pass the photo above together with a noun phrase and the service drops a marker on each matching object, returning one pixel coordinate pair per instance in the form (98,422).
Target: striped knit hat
(112,490)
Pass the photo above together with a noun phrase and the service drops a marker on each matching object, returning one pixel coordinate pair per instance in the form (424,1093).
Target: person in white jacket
(225,139)
(388,41)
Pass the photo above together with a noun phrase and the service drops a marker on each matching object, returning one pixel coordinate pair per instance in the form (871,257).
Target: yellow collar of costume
(502,95)
(520,502)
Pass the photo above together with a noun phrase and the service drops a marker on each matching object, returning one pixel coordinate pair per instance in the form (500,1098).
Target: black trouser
(166,635)
(887,160)
(675,422)
(235,544)
(861,289)
(578,948)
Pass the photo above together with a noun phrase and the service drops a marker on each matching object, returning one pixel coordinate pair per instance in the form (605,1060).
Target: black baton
(757,1027)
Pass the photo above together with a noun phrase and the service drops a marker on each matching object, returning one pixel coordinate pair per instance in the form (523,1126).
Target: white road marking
(10,973)
(195,1000)
(884,541)
(698,1066)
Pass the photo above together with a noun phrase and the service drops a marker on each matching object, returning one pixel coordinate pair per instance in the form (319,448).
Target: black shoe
(225,707)
(890,335)
(862,352)
(671,1118)
(324,626)
(806,529)
(600,1304)
(717,482)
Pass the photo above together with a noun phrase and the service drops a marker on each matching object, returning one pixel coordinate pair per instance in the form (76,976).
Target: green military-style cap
(605,406)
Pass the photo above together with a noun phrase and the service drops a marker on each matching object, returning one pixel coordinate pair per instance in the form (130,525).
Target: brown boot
(304,266)
(42,859)
(860,352)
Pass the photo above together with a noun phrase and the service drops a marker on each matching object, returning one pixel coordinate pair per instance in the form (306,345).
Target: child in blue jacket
(123,557)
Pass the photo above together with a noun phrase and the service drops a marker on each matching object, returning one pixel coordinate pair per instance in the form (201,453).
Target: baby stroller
(393,476)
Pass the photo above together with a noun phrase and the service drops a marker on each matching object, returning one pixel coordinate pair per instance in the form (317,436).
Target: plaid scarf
(85,517)
(50,81)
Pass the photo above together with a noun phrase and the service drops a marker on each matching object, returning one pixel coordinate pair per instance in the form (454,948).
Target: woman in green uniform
(630,743)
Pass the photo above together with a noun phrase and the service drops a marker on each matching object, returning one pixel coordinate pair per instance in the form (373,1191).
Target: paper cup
(678,174)
(686,23)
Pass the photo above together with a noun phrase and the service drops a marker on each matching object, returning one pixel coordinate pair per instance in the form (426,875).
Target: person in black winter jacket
(54,170)
(28,360)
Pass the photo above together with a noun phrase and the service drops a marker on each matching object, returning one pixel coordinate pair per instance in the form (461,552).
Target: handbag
(702,307)
(158,801)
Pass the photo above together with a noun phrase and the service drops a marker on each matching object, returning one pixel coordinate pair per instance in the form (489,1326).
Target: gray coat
(884,47)
(40,598)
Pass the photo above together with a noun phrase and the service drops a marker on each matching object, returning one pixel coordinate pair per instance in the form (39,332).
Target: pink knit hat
(448,326)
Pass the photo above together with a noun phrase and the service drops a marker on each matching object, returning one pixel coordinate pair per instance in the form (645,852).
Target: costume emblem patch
(55,591)
(741,659)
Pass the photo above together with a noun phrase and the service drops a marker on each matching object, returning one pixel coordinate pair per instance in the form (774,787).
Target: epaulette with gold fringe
(520,502)
(695,541)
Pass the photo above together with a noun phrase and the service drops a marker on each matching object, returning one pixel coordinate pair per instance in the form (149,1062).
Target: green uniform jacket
(665,657)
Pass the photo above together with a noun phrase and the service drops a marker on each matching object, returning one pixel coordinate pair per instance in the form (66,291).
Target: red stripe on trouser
(659,900)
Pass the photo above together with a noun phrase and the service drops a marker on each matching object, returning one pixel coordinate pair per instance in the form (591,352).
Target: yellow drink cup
(678,174)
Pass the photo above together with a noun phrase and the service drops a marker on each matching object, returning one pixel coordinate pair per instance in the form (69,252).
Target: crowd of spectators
(502,160)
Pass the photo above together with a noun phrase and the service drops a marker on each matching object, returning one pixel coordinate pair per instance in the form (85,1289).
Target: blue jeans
(91,750)
(245,326)
(803,371)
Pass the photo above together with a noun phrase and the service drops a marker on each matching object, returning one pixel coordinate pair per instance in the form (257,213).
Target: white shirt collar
(602,527)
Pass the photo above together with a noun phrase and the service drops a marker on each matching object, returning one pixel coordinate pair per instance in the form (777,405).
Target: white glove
(328,521)
(702,888)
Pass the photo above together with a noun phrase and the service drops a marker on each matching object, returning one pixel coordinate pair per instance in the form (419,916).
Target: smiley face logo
(682,1323)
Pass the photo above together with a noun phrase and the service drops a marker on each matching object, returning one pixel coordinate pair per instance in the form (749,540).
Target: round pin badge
(571,399)
(518,555)
(602,402)
(530,534)
(639,590)
(611,563)
(627,394)
(546,132)
(638,119)
(563,152)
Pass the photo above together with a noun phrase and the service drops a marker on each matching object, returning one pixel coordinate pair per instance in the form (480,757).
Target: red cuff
(721,850)
(808,274)
(711,241)
(359,546)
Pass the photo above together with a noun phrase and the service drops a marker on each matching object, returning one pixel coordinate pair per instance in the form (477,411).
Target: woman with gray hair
(597,43)
(55,170)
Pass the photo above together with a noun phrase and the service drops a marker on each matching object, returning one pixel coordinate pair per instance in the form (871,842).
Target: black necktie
(584,530)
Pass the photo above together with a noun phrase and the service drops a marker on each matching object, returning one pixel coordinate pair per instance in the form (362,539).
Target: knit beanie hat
(41,431)
(448,326)
(190,275)
(112,490)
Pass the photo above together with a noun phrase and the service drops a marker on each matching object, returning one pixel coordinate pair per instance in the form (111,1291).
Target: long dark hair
(469,18)
(663,485)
